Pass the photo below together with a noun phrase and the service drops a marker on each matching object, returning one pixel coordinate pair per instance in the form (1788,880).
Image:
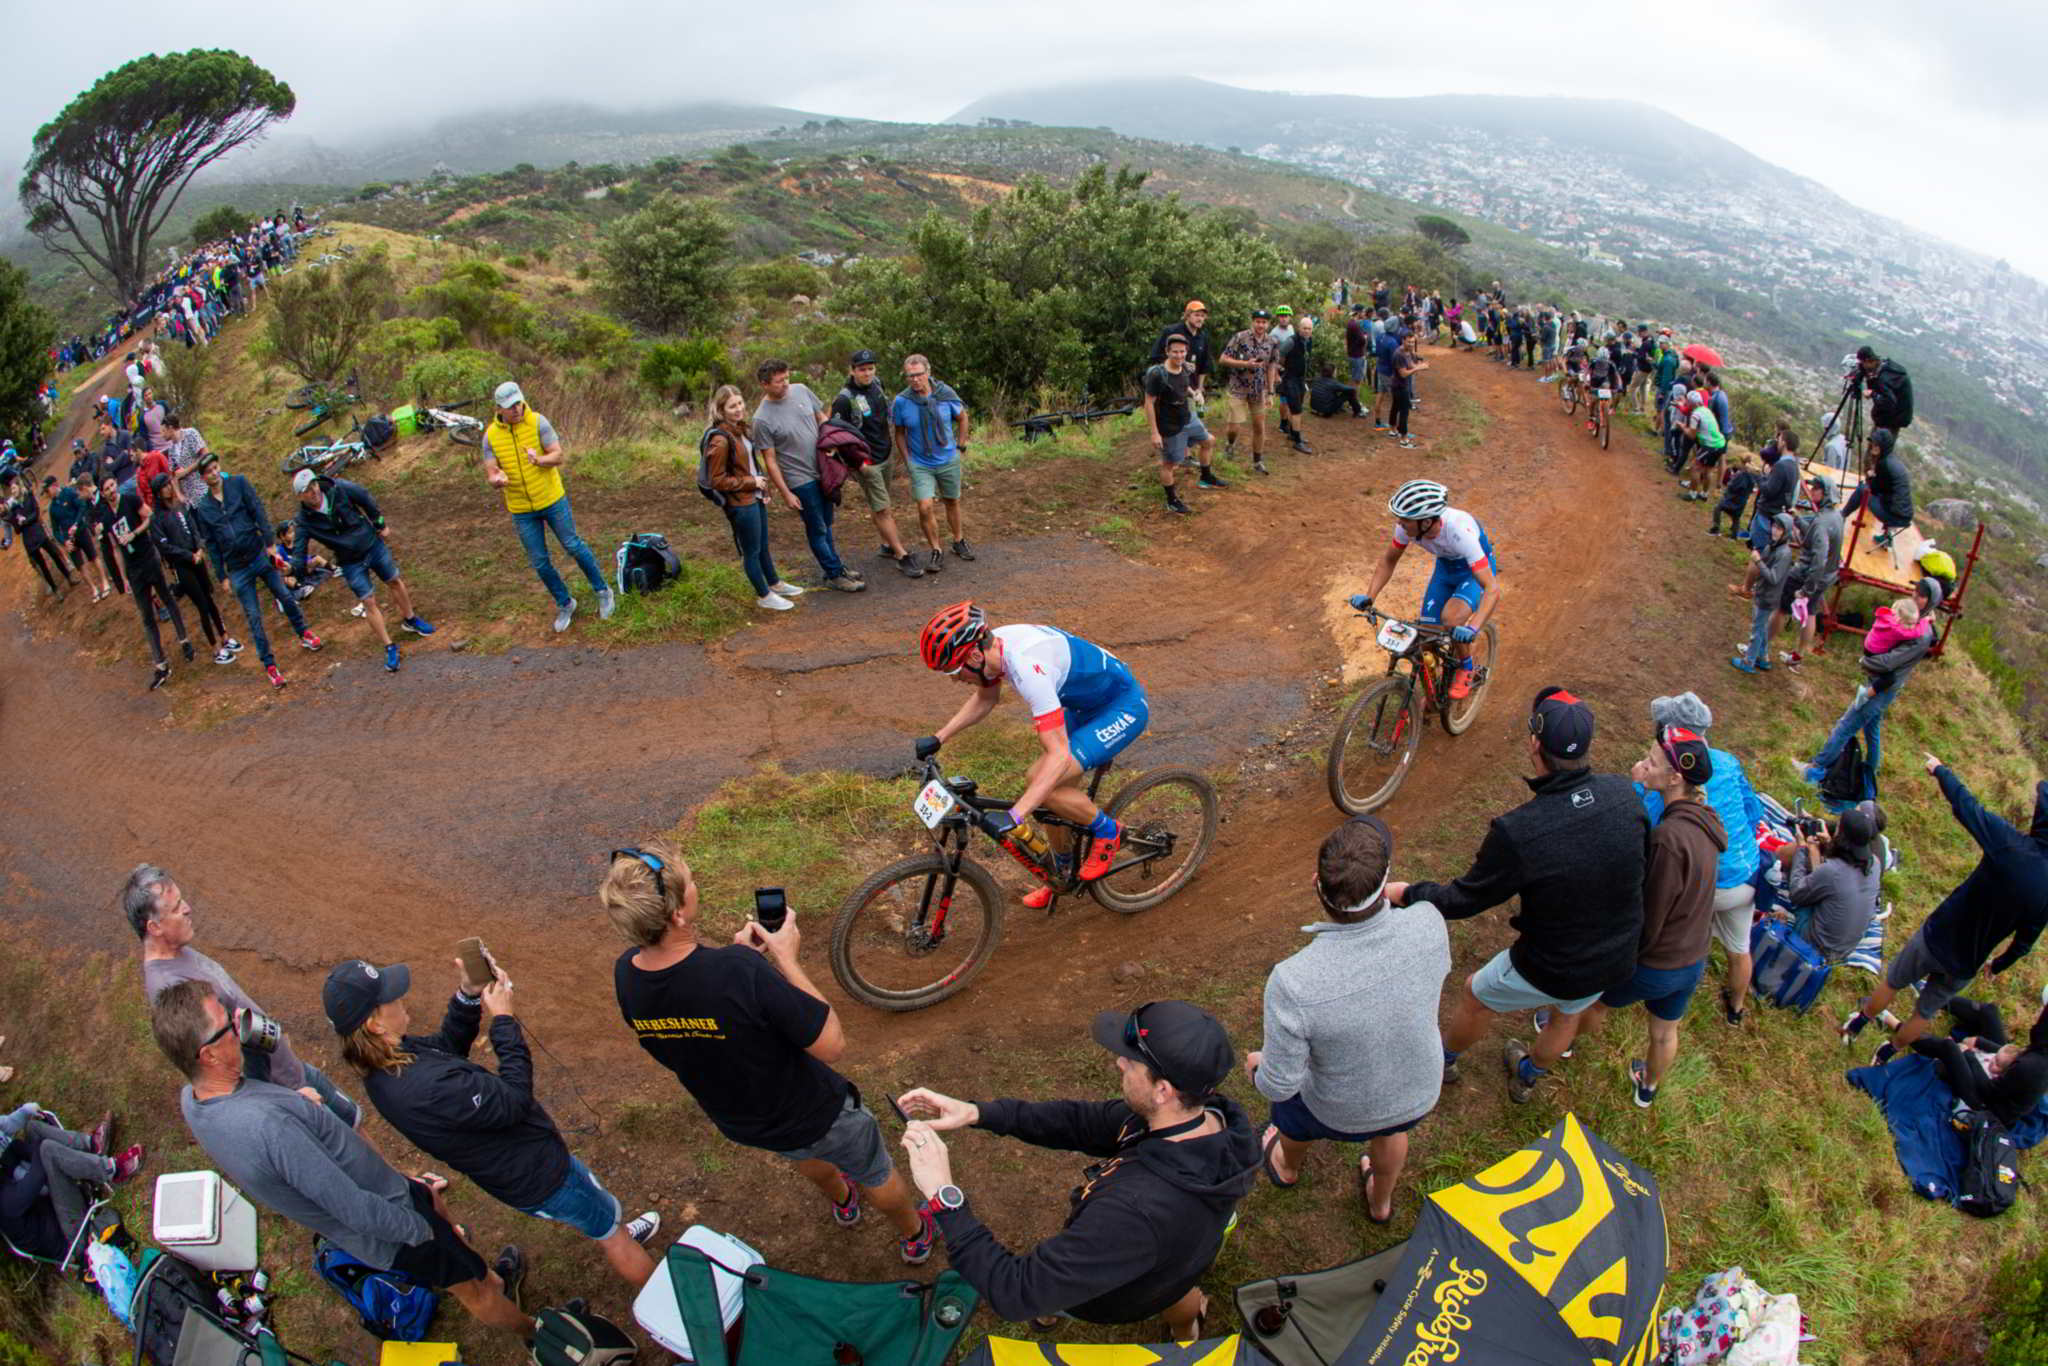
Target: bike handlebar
(1425,628)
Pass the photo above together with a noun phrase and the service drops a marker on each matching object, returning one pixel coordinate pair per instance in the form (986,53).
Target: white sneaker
(788,590)
(774,602)
(562,617)
(643,1228)
(358,611)
(606,603)
(223,655)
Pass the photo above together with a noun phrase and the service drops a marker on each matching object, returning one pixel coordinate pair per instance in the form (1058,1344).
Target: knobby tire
(1354,730)
(1126,892)
(1459,715)
(850,922)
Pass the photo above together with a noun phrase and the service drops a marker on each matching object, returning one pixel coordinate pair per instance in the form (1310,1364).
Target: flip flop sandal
(1268,1142)
(1365,1191)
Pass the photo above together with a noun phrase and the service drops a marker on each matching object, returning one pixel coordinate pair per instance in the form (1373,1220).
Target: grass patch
(709,602)
(618,464)
(1002,448)
(1121,532)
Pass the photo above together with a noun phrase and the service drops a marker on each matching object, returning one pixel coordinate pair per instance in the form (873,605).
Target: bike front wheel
(1169,818)
(916,932)
(1606,427)
(1568,394)
(1459,713)
(1375,746)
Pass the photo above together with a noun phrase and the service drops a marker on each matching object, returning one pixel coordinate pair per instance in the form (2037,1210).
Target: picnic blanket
(1917,1104)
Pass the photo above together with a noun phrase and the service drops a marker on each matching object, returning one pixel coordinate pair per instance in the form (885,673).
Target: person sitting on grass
(1831,879)
(1352,1052)
(1985,1069)
(46,1176)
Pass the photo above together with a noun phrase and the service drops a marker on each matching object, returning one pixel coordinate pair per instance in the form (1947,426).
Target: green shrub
(452,376)
(372,190)
(669,265)
(687,371)
(775,282)
(396,344)
(515,262)
(476,295)
(2019,1318)
(224,220)
(590,336)
(319,318)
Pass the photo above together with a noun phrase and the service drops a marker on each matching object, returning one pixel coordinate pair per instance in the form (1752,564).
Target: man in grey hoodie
(1352,1052)
(1820,562)
(1770,567)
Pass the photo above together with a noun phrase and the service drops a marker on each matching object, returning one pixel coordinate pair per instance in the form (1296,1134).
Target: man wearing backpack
(863,404)
(344,517)
(2005,897)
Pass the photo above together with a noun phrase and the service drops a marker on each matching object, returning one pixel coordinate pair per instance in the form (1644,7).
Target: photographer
(1831,879)
(1886,487)
(486,1125)
(750,1038)
(1890,389)
(162,918)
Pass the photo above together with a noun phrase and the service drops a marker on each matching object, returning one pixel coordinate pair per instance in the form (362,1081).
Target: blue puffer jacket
(1734,801)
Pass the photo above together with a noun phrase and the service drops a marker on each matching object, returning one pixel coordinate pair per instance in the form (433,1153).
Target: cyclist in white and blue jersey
(1085,703)
(1465,589)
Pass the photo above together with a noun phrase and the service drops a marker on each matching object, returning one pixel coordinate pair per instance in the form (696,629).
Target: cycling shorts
(1452,581)
(1102,734)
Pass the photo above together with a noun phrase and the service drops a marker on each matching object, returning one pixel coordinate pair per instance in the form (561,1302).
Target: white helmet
(1418,500)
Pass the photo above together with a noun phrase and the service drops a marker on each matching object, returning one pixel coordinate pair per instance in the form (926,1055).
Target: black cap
(1688,754)
(1260,313)
(862,357)
(355,989)
(1183,1043)
(1561,723)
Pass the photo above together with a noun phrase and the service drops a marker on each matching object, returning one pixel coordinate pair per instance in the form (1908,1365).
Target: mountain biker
(1600,373)
(1085,703)
(1465,588)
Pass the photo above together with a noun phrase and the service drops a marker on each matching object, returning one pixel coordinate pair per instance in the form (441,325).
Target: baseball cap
(862,357)
(355,989)
(1196,305)
(509,395)
(1260,313)
(302,481)
(1687,753)
(1561,723)
(1183,1043)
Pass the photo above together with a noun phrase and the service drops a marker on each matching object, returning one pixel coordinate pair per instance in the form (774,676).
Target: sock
(1169,490)
(1102,827)
(1529,1072)
(1450,1057)
(1886,1051)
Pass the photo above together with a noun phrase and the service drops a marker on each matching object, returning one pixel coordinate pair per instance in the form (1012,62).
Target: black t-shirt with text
(1169,394)
(140,552)
(734,1031)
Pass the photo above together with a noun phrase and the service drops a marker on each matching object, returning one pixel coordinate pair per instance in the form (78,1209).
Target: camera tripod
(1850,430)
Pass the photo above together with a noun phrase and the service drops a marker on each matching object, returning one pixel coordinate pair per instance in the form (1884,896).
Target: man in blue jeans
(523,460)
(786,442)
(1885,678)
(237,530)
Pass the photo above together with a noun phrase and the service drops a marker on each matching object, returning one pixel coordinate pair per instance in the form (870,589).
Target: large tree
(106,172)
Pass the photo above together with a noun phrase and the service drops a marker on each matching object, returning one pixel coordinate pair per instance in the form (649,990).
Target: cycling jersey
(1601,371)
(1459,541)
(1075,683)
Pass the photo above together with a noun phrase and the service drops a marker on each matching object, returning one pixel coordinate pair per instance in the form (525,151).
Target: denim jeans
(750,538)
(533,528)
(1760,632)
(244,580)
(1865,714)
(817,512)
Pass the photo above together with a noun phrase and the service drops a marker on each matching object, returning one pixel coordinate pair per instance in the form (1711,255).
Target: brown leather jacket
(729,467)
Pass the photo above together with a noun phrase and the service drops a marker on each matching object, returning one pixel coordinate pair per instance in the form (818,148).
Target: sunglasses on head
(1134,1037)
(654,865)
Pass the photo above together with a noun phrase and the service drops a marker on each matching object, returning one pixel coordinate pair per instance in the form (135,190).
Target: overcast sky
(1935,113)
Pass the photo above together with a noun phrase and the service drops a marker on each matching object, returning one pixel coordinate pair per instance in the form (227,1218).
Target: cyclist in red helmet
(1085,702)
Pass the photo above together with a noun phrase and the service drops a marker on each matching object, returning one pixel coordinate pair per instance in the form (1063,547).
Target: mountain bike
(920,929)
(461,427)
(324,401)
(1599,413)
(1568,392)
(330,459)
(1377,740)
(1048,424)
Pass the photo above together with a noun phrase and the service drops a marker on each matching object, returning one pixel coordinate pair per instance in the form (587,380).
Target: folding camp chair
(97,1217)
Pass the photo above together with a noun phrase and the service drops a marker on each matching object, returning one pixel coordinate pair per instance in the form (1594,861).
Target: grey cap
(509,395)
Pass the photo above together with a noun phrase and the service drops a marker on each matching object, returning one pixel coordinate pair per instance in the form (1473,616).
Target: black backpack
(379,432)
(1848,777)
(1991,1165)
(704,468)
(645,563)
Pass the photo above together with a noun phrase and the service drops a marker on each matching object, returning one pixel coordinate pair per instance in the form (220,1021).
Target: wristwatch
(946,1197)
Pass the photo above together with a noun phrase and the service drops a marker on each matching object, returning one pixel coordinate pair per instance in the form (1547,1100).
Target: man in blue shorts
(1465,588)
(1085,702)
(344,518)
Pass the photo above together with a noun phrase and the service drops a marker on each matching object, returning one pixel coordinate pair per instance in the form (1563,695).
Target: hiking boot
(270,672)
(391,659)
(1520,1087)
(918,1250)
(606,604)
(510,1265)
(1259,465)
(1101,854)
(642,1227)
(1301,447)
(1886,1051)
(934,561)
(1174,504)
(160,677)
(1729,1013)
(1450,1069)
(563,617)
(786,588)
(419,626)
(1210,481)
(845,583)
(1461,681)
(963,550)
(1638,1076)
(846,1214)
(186,646)
(126,1165)
(909,566)
(310,641)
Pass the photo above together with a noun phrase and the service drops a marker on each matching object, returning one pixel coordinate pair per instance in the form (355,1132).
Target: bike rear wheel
(319,417)
(1606,424)
(882,950)
(307,458)
(1458,715)
(1375,745)
(1170,815)
(463,434)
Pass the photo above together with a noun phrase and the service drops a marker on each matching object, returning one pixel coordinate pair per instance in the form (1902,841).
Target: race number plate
(1603,393)
(1396,636)
(934,803)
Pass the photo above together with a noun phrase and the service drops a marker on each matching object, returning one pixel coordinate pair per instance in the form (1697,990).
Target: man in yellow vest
(523,457)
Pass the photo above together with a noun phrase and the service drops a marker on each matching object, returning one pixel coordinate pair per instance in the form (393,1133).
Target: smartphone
(771,908)
(477,964)
(898,1108)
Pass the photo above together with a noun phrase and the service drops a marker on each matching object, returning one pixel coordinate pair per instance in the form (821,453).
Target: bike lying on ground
(325,401)
(1048,424)
(1378,738)
(462,429)
(920,929)
(332,458)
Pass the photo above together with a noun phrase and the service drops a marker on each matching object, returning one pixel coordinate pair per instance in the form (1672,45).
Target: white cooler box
(205,1221)
(655,1308)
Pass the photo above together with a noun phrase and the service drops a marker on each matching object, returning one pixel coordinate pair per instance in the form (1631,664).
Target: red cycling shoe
(1100,855)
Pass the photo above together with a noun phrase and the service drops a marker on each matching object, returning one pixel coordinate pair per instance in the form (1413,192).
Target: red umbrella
(1705,355)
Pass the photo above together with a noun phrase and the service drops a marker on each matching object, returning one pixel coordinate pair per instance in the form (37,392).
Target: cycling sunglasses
(654,865)
(1134,1037)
